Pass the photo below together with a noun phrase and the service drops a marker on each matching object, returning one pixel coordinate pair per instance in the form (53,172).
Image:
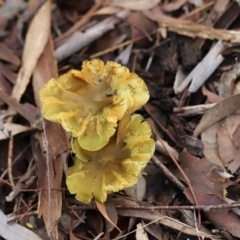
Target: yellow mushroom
(114,167)
(89,103)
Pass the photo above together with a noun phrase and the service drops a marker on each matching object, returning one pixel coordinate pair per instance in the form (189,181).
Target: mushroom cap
(90,102)
(114,167)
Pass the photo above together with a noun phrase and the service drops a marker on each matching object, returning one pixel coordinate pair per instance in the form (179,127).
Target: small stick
(152,208)
(10,157)
(149,111)
(21,216)
(193,110)
(204,69)
(168,174)
(160,148)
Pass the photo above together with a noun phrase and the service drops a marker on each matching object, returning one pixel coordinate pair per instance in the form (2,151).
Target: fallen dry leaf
(236,137)
(8,72)
(210,145)
(27,110)
(209,187)
(155,230)
(14,129)
(7,55)
(227,81)
(211,97)
(71,234)
(138,190)
(56,146)
(95,222)
(141,233)
(112,213)
(4,86)
(49,201)
(237,88)
(228,152)
(204,177)
(103,210)
(13,231)
(218,112)
(165,220)
(36,39)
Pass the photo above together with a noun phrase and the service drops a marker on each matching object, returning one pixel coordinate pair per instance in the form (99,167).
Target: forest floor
(186,52)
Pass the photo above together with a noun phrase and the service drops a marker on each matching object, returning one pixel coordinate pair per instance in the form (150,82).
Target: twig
(113,48)
(193,110)
(14,161)
(204,69)
(184,176)
(73,44)
(184,98)
(142,227)
(180,169)
(34,189)
(198,10)
(147,107)
(21,216)
(153,208)
(168,174)
(23,183)
(77,25)
(10,157)
(135,61)
(10,146)
(160,148)
(192,29)
(76,215)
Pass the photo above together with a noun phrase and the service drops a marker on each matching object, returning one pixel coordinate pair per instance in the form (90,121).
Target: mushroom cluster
(111,145)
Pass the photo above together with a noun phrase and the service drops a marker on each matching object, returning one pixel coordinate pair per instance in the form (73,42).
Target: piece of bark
(80,39)
(204,69)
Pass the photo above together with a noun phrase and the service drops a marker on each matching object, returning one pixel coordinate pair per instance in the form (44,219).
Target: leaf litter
(187,53)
